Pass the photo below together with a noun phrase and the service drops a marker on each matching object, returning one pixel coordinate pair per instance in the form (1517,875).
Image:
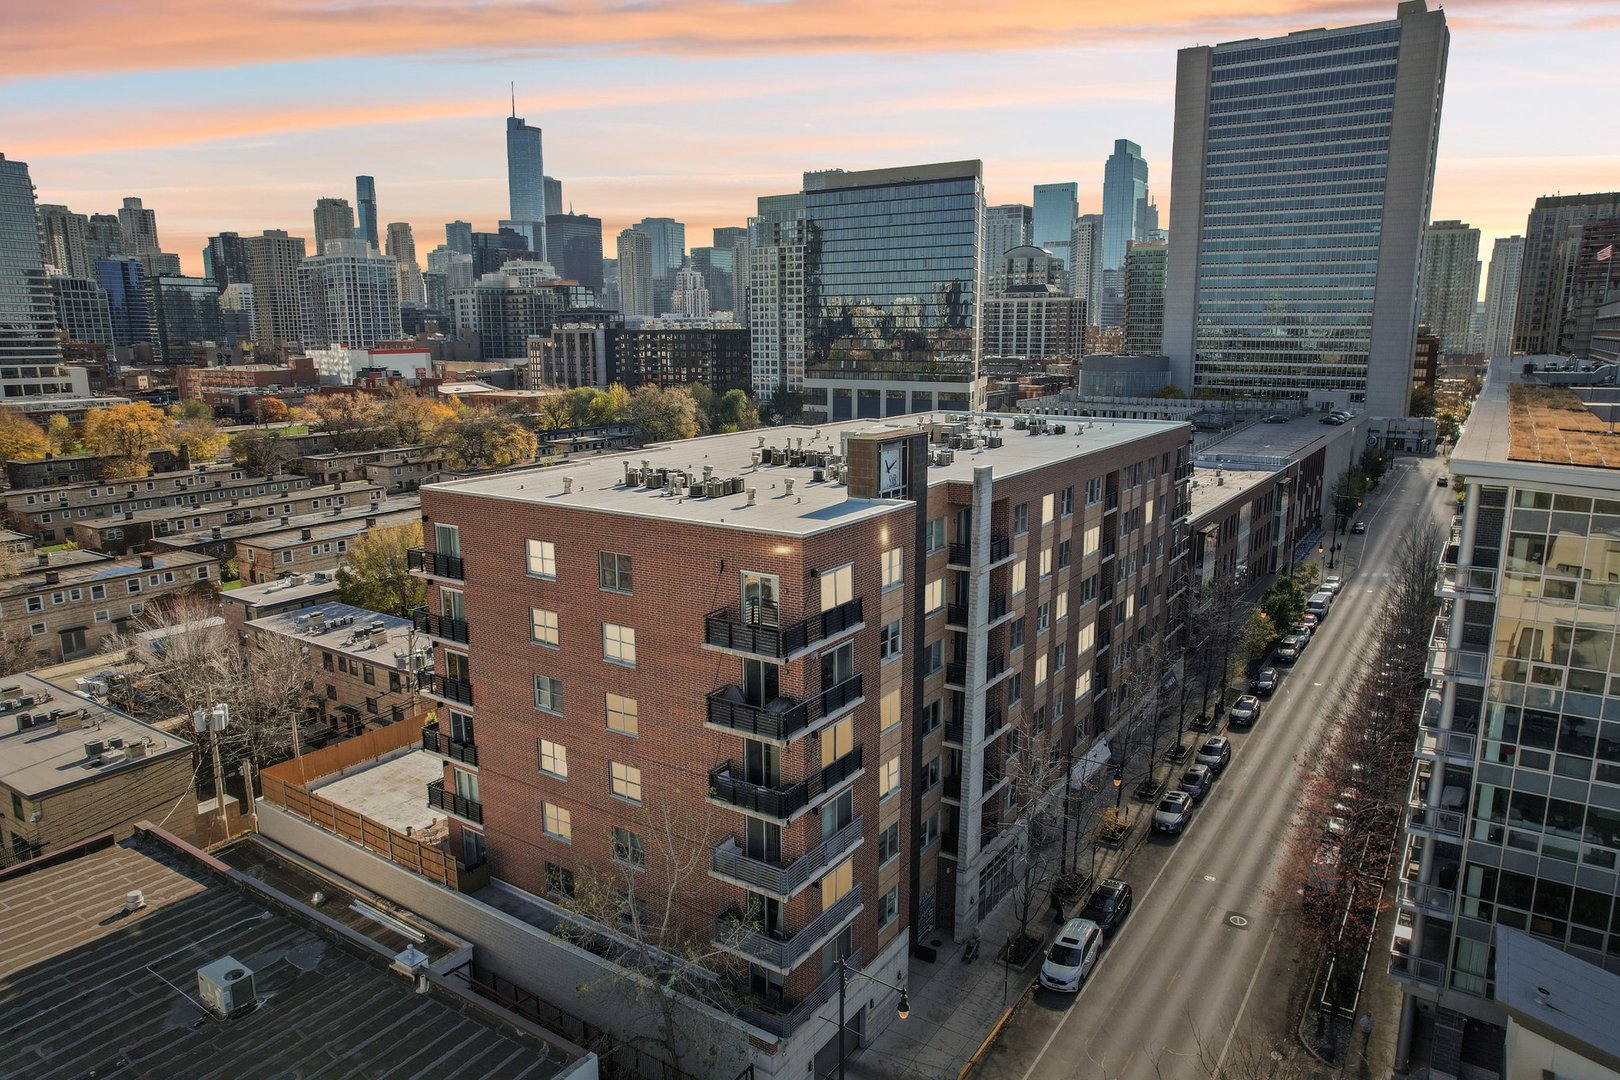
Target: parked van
(1318,604)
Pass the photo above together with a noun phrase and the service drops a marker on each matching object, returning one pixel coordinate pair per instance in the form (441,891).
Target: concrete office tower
(225,260)
(1085,265)
(103,239)
(635,273)
(554,196)
(575,244)
(402,246)
(1005,227)
(128,298)
(456,267)
(1145,265)
(28,318)
(239,312)
(775,277)
(1449,284)
(525,176)
(1503,831)
(185,313)
(82,310)
(691,295)
(273,262)
(458,236)
(62,240)
(891,288)
(365,203)
(668,238)
(1551,240)
(348,295)
(334,220)
(1289,279)
(728,237)
(138,225)
(1056,208)
(1125,182)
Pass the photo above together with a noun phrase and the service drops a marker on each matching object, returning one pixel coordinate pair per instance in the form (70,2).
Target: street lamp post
(844,972)
(1119,784)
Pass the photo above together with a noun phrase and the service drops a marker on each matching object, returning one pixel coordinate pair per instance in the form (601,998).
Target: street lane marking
(1168,986)
(1244,1005)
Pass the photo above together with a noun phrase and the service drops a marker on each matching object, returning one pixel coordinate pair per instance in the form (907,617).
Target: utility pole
(213,722)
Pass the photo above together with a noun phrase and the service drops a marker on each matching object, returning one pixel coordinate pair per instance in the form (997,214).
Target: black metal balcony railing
(435,741)
(784,718)
(443,686)
(956,674)
(786,1015)
(956,615)
(953,786)
(994,721)
(754,629)
(1111,502)
(995,667)
(451,803)
(443,627)
(998,608)
(786,801)
(953,730)
(783,877)
(1000,548)
(432,562)
(780,950)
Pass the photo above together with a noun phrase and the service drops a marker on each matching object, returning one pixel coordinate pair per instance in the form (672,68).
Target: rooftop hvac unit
(111,757)
(94,747)
(993,442)
(715,488)
(135,750)
(226,987)
(737,485)
(818,476)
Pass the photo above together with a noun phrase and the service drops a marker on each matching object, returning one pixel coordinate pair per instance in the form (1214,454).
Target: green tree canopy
(376,575)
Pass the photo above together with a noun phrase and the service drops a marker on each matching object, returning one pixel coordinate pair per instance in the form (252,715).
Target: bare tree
(1035,773)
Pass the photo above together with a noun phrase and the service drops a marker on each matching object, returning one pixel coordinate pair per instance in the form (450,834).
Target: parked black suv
(1109,904)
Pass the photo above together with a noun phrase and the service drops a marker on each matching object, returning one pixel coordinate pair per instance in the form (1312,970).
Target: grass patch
(229,585)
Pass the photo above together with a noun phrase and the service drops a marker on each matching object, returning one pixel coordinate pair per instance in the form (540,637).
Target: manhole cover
(1233,919)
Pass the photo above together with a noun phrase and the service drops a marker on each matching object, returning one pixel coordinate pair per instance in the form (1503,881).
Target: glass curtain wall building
(1302,176)
(891,286)
(525,178)
(1056,208)
(1125,187)
(27,315)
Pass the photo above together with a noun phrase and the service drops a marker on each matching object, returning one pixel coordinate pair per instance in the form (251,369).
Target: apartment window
(929,719)
(101,615)
(1088,589)
(614,571)
(628,848)
(1043,618)
(1020,576)
(889,709)
(889,641)
(1086,639)
(554,759)
(543,626)
(1060,656)
(889,779)
(542,558)
(1046,563)
(548,694)
(133,585)
(889,908)
(1066,501)
(38,629)
(837,883)
(1094,490)
(888,843)
(622,715)
(559,881)
(1015,635)
(1065,554)
(36,604)
(625,781)
(930,775)
(933,657)
(98,592)
(837,740)
(1048,508)
(893,568)
(1093,539)
(837,586)
(1082,685)
(1040,670)
(929,832)
(935,535)
(934,598)
(1015,688)
(287,558)
(369,675)
(1021,519)
(557,822)
(619,644)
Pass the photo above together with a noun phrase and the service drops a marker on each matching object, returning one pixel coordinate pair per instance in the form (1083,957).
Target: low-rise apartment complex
(134,530)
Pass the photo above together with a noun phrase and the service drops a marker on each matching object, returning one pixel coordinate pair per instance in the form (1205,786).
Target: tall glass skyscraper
(365,202)
(526,177)
(1056,207)
(27,314)
(1502,294)
(1301,184)
(1125,186)
(1450,284)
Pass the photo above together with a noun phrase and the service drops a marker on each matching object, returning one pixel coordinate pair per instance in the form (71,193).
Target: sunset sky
(240,115)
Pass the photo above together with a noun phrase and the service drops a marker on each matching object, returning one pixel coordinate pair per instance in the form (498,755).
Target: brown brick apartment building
(803,650)
(134,529)
(317,545)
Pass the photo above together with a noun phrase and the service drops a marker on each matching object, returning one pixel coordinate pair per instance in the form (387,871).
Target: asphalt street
(1203,967)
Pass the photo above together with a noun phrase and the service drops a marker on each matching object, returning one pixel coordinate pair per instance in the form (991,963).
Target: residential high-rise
(348,295)
(62,235)
(1591,284)
(1005,227)
(635,273)
(554,197)
(239,313)
(139,228)
(1293,275)
(775,277)
(1125,185)
(456,268)
(185,312)
(1145,265)
(82,310)
(128,298)
(458,236)
(1551,241)
(690,297)
(1052,218)
(365,202)
(506,314)
(334,220)
(273,261)
(727,237)
(1085,265)
(225,260)
(402,246)
(891,291)
(1515,800)
(27,313)
(1032,318)
(716,268)
(1449,283)
(668,238)
(103,239)
(526,177)
(575,244)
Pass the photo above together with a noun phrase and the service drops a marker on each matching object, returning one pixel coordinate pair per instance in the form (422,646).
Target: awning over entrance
(1095,761)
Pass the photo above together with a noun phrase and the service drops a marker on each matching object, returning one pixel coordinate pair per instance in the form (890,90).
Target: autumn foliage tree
(61,436)
(20,438)
(376,574)
(201,439)
(659,414)
(486,440)
(124,434)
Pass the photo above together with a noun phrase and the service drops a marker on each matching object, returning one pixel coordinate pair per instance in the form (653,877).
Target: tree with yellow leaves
(20,438)
(60,434)
(201,439)
(124,434)
(407,418)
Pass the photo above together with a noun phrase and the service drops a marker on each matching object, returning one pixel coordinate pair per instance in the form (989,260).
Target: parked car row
(1175,809)
(1080,943)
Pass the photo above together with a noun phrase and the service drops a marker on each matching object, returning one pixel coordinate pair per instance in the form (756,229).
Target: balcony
(1428,974)
(442,627)
(752,630)
(1455,581)
(956,676)
(1435,822)
(445,688)
(1429,899)
(995,778)
(451,803)
(953,731)
(784,802)
(1456,747)
(1466,663)
(996,669)
(787,1016)
(783,878)
(421,561)
(782,951)
(956,616)
(953,787)
(961,556)
(995,722)
(784,719)
(998,612)
(1111,502)
(435,741)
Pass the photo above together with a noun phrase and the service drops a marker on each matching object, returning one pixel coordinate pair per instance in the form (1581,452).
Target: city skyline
(617,97)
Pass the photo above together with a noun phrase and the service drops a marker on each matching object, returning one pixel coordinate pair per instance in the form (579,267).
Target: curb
(1006,1015)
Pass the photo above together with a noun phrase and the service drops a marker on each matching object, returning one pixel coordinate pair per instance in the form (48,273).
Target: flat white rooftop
(393,792)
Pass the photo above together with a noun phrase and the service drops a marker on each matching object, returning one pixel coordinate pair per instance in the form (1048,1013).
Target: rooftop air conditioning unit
(225,987)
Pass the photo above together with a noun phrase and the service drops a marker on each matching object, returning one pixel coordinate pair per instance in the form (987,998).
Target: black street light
(844,972)
(1119,785)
